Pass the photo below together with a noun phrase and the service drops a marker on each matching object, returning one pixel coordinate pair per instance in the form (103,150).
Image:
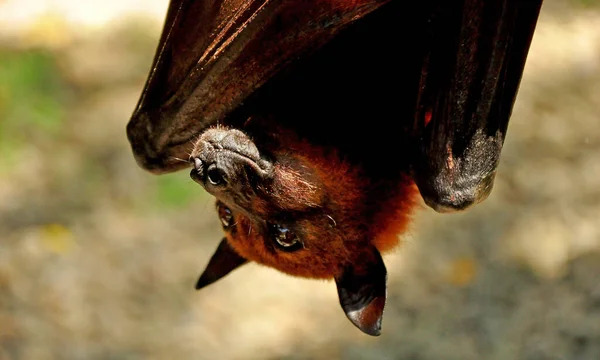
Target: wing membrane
(470,78)
(213,54)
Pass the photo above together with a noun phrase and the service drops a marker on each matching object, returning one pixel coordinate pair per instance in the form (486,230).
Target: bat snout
(224,160)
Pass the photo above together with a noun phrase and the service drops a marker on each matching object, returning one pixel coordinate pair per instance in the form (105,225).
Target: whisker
(332,219)
(194,141)
(178,159)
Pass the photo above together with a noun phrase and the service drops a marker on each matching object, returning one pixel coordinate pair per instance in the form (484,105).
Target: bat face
(299,209)
(303,210)
(279,208)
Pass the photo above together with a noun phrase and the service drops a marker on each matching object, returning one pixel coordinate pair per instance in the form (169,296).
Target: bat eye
(225,216)
(285,239)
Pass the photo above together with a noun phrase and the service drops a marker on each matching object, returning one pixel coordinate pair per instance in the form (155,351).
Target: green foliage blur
(33,98)
(37,102)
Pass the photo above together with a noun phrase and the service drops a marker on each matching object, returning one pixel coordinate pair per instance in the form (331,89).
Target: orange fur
(338,219)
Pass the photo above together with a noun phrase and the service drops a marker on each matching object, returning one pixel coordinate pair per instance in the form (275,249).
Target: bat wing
(213,54)
(470,76)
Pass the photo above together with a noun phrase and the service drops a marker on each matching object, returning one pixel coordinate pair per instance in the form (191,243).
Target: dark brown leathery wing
(470,77)
(213,54)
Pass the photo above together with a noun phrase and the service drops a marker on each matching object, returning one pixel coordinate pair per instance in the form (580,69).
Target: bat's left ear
(362,290)
(223,261)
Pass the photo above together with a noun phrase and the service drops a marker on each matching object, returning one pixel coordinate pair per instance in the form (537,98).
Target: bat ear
(362,291)
(223,261)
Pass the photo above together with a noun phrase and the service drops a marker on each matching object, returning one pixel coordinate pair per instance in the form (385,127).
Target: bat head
(303,210)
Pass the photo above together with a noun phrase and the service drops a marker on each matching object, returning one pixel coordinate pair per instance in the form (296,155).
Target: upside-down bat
(317,124)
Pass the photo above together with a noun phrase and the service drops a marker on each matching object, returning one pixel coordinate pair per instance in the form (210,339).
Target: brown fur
(339,220)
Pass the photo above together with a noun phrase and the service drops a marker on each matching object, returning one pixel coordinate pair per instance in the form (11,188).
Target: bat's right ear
(223,261)
(362,289)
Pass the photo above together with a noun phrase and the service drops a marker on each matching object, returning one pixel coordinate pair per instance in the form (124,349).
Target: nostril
(216,176)
(197,164)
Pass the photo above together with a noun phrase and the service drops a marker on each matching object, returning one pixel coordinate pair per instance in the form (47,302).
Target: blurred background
(98,258)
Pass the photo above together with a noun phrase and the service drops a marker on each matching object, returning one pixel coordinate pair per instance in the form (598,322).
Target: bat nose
(226,160)
(216,176)
(211,173)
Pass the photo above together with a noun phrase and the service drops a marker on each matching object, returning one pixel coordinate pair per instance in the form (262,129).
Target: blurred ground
(98,258)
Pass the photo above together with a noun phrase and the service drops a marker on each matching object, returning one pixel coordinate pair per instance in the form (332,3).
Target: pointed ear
(223,261)
(362,290)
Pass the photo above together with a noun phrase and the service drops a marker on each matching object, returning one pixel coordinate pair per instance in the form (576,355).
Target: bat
(318,125)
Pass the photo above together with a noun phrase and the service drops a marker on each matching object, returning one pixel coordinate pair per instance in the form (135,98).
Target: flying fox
(319,126)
